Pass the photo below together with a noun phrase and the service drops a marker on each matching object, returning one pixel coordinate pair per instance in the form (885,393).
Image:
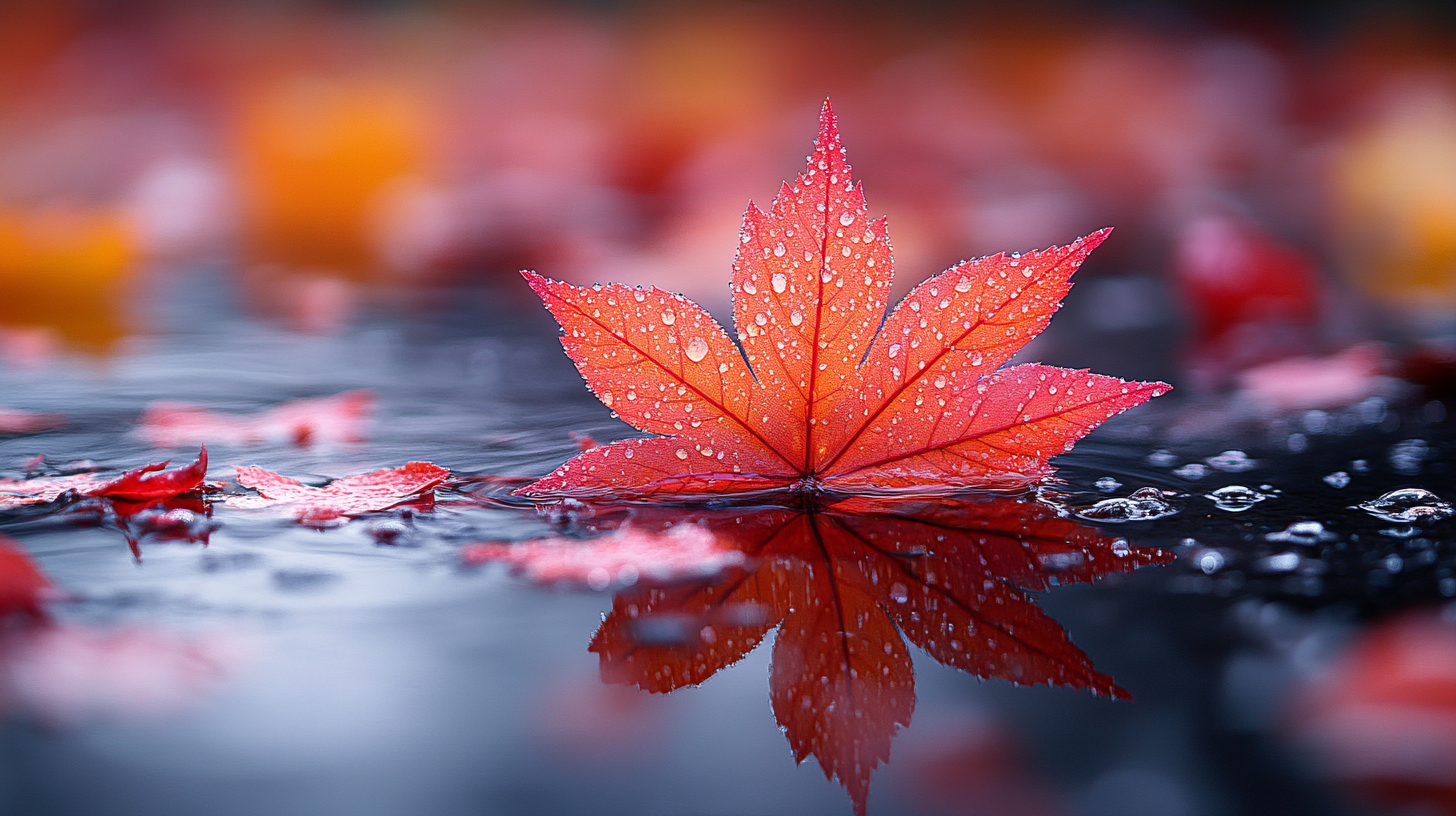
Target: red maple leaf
(349,496)
(339,418)
(146,482)
(822,395)
(846,586)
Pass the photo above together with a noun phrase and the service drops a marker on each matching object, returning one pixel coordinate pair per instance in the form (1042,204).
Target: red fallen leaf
(339,418)
(685,551)
(145,482)
(22,586)
(846,586)
(349,496)
(148,482)
(826,396)
(1383,718)
(13,421)
(1232,274)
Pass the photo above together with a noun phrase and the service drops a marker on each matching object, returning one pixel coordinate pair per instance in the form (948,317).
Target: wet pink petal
(349,496)
(1304,383)
(685,551)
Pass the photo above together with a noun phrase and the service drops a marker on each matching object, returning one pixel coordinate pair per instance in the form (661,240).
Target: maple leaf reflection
(847,585)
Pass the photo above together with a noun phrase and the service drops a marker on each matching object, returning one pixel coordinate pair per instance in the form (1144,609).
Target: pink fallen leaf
(1304,383)
(14,421)
(349,496)
(146,482)
(320,420)
(685,551)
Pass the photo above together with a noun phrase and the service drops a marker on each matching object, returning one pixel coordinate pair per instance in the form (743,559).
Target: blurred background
(1282,178)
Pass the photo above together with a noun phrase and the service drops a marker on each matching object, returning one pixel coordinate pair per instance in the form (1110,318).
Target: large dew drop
(1143,504)
(1407,505)
(697,349)
(1236,498)
(780,282)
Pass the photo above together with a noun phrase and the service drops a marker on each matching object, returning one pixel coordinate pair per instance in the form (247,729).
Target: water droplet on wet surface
(1281,562)
(1407,457)
(1302,532)
(1143,504)
(846,218)
(1235,498)
(1107,484)
(780,282)
(1231,461)
(696,351)
(1407,505)
(1210,561)
(1193,471)
(1161,458)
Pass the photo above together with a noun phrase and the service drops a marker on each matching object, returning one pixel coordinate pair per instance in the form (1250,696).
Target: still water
(1199,620)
